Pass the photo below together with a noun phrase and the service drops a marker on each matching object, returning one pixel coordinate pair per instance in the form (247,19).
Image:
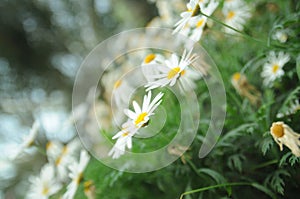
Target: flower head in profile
(284,135)
(124,138)
(28,140)
(76,174)
(169,74)
(193,10)
(45,185)
(273,69)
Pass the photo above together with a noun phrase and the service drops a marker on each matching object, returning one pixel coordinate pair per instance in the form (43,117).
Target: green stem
(236,30)
(265,164)
(215,186)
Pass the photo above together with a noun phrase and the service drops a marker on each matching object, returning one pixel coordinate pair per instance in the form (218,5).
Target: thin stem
(265,164)
(236,30)
(215,186)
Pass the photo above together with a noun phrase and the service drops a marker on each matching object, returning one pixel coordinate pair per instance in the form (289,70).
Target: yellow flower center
(149,58)
(230,14)
(125,134)
(117,84)
(200,23)
(236,76)
(182,72)
(45,191)
(173,72)
(140,118)
(277,130)
(275,68)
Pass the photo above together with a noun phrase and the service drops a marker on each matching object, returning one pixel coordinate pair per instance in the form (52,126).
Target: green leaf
(298,66)
(276,182)
(235,161)
(266,144)
(264,189)
(213,174)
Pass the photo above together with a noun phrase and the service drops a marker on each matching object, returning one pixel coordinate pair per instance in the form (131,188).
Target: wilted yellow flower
(284,135)
(90,189)
(245,89)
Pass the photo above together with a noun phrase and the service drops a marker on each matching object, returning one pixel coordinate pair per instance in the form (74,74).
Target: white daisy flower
(45,185)
(141,115)
(62,156)
(284,135)
(236,14)
(169,74)
(273,69)
(193,9)
(280,35)
(124,138)
(27,140)
(76,174)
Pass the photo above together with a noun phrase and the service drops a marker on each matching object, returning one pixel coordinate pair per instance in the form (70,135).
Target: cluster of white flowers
(192,20)
(62,162)
(160,72)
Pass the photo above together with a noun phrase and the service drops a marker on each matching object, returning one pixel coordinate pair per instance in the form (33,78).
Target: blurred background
(42,44)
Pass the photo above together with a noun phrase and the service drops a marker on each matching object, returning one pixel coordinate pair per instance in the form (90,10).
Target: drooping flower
(285,135)
(76,174)
(245,89)
(169,74)
(273,69)
(45,185)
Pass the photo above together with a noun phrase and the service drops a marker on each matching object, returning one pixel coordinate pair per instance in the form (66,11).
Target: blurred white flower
(284,135)
(61,156)
(27,140)
(236,15)
(76,174)
(169,74)
(273,69)
(281,35)
(45,185)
